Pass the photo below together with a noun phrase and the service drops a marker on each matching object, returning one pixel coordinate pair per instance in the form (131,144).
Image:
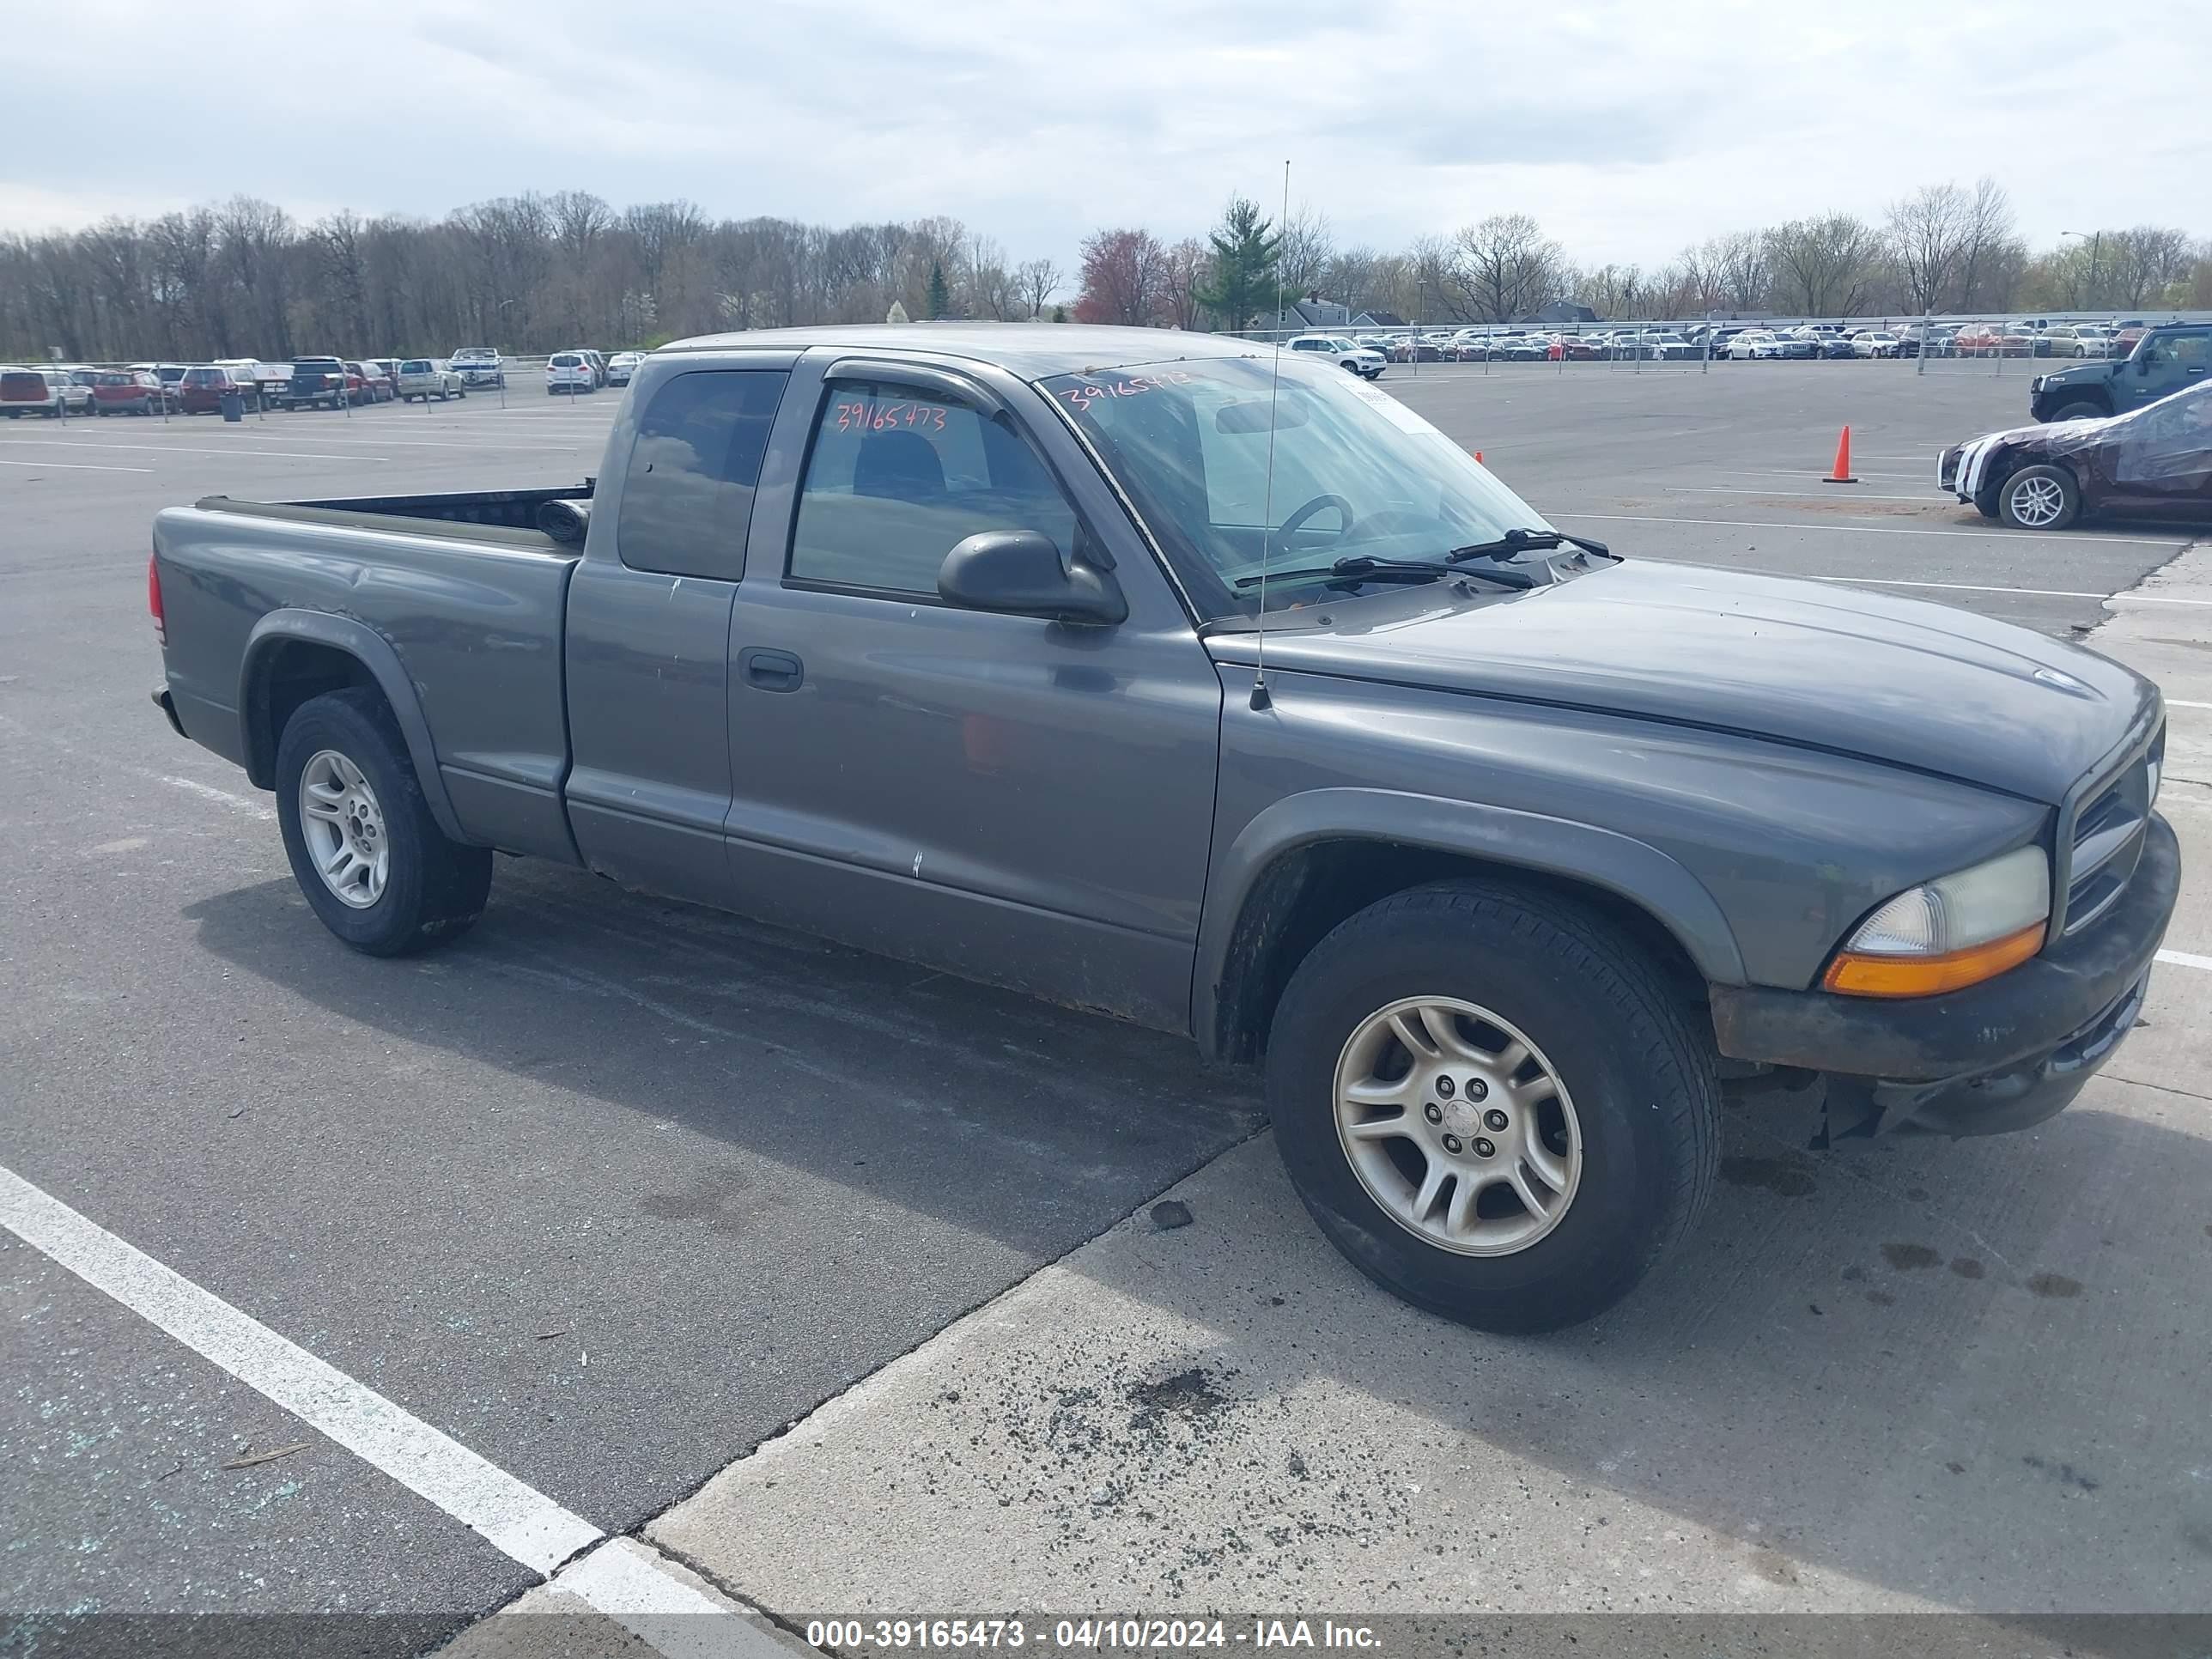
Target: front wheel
(1490,1103)
(2083,410)
(2040,498)
(369,858)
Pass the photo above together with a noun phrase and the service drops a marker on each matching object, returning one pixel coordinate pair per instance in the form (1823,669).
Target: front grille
(2108,833)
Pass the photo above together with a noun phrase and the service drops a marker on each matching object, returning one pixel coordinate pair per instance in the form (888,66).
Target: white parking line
(2183,959)
(628,1582)
(75,466)
(622,1579)
(208,792)
(521,1521)
(2043,536)
(2182,702)
(172,449)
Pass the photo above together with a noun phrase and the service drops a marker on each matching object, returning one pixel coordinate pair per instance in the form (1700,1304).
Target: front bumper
(1997,1056)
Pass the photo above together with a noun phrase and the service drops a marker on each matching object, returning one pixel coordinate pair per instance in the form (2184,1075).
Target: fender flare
(376,653)
(1643,875)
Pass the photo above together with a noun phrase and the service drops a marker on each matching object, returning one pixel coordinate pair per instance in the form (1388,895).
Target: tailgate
(22,388)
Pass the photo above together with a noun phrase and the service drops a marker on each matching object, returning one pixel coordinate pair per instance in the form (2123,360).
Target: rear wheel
(2040,498)
(369,858)
(1490,1103)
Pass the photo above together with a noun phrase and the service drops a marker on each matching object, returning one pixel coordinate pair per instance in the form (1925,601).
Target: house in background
(1314,312)
(1380,320)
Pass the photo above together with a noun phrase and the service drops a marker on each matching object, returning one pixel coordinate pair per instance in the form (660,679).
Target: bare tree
(1037,280)
(1824,266)
(1929,233)
(2143,261)
(1505,267)
(1739,261)
(1304,254)
(1992,258)
(1183,280)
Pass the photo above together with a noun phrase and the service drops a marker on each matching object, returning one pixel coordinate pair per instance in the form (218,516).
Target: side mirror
(1021,573)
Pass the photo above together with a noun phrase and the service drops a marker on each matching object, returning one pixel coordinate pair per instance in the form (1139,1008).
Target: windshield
(1355,472)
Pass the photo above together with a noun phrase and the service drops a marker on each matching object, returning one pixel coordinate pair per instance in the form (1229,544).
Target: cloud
(1626,131)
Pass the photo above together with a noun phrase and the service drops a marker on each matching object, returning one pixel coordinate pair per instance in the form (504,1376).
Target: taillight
(154,599)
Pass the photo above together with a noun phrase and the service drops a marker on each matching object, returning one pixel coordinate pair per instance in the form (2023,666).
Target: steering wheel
(1296,522)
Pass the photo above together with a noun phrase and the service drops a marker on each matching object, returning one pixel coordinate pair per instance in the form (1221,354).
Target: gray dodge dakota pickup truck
(1503,852)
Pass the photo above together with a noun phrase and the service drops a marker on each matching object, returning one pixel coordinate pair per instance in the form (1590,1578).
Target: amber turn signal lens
(1925,976)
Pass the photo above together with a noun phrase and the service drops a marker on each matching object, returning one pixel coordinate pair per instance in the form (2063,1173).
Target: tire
(2081,410)
(462,392)
(432,889)
(1645,1102)
(2040,498)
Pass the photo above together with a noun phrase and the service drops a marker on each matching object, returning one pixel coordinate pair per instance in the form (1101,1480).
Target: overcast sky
(1626,130)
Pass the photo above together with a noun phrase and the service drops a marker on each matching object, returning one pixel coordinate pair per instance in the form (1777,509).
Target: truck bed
(457,606)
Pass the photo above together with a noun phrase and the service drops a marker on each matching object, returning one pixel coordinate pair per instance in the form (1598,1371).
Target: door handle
(771,671)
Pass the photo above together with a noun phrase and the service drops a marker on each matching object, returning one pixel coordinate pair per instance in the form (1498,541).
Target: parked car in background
(386,367)
(130,391)
(1411,350)
(1335,349)
(1571,347)
(479,365)
(426,378)
(367,384)
(201,389)
(2154,462)
(623,364)
(2094,339)
(569,371)
(1876,342)
(316,380)
(2164,360)
(46,392)
(1755,344)
(1834,346)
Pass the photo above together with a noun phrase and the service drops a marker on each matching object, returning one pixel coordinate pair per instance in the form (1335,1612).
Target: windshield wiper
(1523,541)
(1359,568)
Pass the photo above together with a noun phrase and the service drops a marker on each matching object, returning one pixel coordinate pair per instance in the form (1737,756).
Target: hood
(1816,664)
(2096,371)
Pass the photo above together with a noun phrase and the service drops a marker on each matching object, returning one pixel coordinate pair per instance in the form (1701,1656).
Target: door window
(895,477)
(687,494)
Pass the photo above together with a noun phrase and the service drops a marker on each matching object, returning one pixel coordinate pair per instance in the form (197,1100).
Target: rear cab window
(687,497)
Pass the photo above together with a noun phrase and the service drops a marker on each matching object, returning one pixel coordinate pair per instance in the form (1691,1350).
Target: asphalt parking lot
(618,1193)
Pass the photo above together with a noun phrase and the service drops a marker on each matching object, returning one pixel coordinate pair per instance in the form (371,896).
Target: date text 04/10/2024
(1093,1634)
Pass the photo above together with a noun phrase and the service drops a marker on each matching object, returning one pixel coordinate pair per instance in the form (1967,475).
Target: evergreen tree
(940,298)
(1245,254)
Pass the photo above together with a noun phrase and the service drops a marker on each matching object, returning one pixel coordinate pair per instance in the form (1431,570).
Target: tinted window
(416,366)
(688,493)
(895,477)
(566,360)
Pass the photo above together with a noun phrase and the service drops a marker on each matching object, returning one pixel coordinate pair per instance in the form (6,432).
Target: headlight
(1949,934)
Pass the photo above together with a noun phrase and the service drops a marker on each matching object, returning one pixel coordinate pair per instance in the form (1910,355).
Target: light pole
(2096,241)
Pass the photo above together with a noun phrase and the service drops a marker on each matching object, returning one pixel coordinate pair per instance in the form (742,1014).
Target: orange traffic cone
(1842,472)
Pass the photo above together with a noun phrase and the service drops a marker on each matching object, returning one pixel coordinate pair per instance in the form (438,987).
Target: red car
(200,391)
(130,391)
(1570,349)
(367,383)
